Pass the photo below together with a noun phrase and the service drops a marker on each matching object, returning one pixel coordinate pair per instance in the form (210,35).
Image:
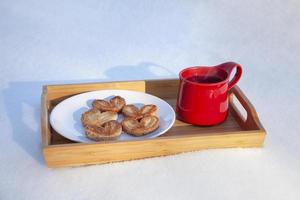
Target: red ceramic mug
(203,93)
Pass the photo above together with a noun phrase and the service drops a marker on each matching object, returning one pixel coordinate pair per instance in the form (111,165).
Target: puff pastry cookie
(132,111)
(95,117)
(116,104)
(110,130)
(100,126)
(138,128)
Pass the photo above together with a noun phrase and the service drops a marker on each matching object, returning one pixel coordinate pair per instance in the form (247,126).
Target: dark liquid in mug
(205,79)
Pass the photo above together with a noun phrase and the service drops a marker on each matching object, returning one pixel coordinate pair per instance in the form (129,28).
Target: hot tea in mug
(204,79)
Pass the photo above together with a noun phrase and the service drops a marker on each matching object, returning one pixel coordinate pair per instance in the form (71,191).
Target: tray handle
(251,121)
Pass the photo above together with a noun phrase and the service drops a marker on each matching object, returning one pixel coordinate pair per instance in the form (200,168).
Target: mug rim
(204,84)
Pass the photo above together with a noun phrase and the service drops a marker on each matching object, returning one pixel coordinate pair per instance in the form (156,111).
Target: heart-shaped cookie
(110,130)
(135,127)
(116,104)
(132,111)
(95,117)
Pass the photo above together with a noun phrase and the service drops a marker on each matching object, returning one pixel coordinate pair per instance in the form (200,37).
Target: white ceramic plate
(65,118)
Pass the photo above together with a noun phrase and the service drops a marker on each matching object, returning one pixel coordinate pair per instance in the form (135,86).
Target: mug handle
(228,67)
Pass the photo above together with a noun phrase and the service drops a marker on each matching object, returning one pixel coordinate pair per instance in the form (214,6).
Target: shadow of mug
(141,71)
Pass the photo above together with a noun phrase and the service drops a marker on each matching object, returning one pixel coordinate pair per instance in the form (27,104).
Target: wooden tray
(236,131)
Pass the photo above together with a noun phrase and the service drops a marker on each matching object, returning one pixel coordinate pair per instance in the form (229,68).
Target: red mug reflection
(203,93)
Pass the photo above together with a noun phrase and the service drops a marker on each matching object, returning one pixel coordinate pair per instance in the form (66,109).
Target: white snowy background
(43,42)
